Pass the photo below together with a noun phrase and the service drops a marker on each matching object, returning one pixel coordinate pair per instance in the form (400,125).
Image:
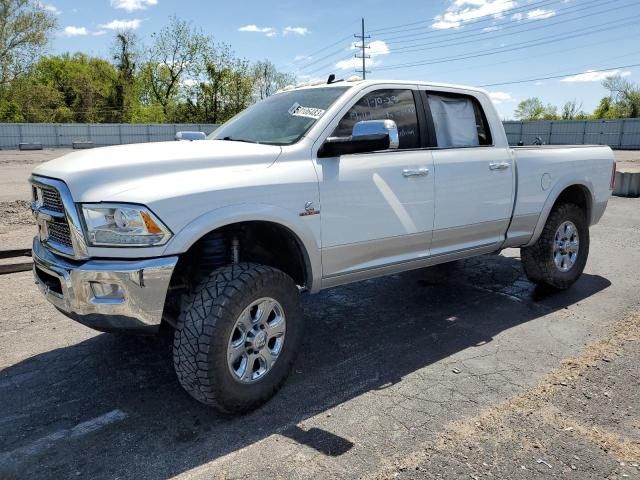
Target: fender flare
(229,215)
(553,196)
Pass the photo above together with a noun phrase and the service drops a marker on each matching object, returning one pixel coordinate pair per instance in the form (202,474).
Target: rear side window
(389,104)
(458,121)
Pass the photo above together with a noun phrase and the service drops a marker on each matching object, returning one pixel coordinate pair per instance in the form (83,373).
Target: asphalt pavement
(388,366)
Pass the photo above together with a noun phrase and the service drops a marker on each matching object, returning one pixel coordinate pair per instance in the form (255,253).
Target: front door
(377,208)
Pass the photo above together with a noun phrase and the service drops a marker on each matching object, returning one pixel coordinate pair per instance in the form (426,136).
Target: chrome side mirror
(190,136)
(377,127)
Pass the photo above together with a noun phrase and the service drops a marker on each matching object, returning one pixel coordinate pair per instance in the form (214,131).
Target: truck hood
(103,174)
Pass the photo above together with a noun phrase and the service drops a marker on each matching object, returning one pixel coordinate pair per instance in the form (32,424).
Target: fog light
(107,291)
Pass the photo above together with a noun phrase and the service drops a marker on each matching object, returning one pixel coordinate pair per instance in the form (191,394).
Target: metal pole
(364,66)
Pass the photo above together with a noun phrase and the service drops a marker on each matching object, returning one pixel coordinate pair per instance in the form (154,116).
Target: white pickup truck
(311,188)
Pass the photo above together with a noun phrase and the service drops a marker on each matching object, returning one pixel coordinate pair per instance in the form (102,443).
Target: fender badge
(309,210)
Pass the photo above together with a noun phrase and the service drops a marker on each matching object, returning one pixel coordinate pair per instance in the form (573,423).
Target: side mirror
(190,136)
(366,136)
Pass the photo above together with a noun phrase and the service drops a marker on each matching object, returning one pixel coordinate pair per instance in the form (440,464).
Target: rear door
(473,178)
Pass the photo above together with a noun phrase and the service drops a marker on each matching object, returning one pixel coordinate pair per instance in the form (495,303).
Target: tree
(623,100)
(571,110)
(533,109)
(174,55)
(25,28)
(268,80)
(125,56)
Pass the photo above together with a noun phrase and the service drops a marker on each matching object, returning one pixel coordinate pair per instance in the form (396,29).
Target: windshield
(281,119)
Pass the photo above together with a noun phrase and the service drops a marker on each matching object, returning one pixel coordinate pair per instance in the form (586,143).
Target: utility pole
(363,46)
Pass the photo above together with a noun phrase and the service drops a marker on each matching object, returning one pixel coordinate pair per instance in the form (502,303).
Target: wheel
(559,256)
(237,336)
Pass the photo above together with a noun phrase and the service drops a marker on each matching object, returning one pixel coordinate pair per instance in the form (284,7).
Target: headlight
(115,225)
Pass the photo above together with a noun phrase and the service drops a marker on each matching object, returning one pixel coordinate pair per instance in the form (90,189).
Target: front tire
(237,336)
(559,256)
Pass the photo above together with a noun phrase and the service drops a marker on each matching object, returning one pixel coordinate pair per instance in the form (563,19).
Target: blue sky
(476,42)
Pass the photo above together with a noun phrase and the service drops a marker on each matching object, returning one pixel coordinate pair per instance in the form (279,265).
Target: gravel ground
(396,373)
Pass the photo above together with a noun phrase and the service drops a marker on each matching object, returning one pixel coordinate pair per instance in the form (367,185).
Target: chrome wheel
(566,246)
(256,340)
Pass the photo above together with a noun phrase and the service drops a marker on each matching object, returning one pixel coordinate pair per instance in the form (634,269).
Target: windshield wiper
(229,139)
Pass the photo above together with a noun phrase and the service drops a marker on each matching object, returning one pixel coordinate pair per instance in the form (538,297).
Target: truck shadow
(359,338)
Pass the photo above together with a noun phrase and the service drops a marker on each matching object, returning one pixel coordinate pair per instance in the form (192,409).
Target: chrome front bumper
(107,295)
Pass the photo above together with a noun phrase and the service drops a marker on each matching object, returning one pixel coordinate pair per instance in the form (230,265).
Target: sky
(489,43)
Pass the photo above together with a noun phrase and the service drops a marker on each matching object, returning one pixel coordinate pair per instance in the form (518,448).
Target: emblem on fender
(309,209)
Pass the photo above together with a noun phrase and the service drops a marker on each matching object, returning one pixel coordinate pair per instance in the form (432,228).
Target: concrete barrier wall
(51,135)
(622,134)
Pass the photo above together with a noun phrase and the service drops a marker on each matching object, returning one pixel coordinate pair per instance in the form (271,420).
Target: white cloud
(132,5)
(490,29)
(295,30)
(461,11)
(537,14)
(500,97)
(268,31)
(121,24)
(51,8)
(376,49)
(72,31)
(540,14)
(591,76)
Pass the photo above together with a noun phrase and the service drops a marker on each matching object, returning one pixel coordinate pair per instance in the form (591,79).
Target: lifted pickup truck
(311,188)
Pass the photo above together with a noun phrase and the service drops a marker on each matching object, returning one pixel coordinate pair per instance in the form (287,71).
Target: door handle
(415,172)
(499,166)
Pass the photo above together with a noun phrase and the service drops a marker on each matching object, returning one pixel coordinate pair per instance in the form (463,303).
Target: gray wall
(63,135)
(622,134)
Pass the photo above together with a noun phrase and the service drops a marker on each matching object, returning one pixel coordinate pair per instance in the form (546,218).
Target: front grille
(56,216)
(51,199)
(59,233)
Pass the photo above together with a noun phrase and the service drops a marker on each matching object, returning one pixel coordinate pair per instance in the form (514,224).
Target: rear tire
(559,256)
(228,352)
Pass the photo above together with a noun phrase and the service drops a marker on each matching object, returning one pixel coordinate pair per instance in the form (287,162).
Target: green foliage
(25,28)
(533,109)
(623,100)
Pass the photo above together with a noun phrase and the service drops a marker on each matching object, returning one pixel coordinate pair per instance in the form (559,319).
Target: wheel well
(579,195)
(266,243)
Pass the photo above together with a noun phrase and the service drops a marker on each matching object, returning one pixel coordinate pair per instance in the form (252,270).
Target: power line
(519,46)
(308,56)
(559,76)
(547,54)
(483,32)
(433,45)
(484,18)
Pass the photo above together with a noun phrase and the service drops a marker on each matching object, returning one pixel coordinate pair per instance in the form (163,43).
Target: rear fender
(553,196)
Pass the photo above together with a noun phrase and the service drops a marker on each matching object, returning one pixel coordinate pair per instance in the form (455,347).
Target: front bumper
(107,295)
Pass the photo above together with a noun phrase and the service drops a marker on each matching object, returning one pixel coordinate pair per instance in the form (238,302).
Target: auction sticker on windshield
(298,110)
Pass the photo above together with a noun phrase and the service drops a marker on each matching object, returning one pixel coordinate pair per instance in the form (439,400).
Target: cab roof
(364,83)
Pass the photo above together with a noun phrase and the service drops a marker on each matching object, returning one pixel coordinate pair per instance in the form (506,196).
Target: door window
(391,104)
(459,121)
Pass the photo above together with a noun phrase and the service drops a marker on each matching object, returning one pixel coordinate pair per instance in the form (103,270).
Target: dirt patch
(16,212)
(582,417)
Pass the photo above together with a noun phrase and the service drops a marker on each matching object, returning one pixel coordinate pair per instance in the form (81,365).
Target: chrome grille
(59,233)
(51,199)
(59,224)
